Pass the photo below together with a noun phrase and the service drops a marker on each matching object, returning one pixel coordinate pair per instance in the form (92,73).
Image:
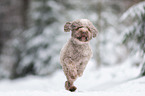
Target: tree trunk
(13,20)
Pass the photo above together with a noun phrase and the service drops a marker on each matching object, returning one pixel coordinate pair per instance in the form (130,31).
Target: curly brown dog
(75,55)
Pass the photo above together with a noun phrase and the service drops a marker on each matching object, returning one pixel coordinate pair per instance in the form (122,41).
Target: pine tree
(134,36)
(43,39)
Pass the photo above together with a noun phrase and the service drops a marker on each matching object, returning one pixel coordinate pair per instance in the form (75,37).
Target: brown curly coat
(76,53)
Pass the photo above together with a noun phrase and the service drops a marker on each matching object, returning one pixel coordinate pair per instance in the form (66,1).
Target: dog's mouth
(83,38)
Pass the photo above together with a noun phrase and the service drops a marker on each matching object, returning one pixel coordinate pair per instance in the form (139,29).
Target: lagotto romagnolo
(76,53)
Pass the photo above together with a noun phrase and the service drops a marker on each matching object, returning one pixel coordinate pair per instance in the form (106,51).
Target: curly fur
(76,53)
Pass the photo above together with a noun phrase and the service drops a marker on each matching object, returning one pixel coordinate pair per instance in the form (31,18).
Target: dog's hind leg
(81,67)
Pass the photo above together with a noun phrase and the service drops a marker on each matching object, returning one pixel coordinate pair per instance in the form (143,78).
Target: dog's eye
(79,27)
(74,27)
(89,29)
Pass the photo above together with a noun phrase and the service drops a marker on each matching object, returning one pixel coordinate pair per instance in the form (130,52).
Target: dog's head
(82,29)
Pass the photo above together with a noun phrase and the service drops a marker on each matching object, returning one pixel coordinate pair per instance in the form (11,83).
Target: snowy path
(103,82)
(39,93)
(36,86)
(29,87)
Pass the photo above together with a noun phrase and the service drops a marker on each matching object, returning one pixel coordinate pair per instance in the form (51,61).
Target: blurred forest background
(31,33)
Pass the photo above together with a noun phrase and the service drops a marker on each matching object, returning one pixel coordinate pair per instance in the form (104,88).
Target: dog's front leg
(71,74)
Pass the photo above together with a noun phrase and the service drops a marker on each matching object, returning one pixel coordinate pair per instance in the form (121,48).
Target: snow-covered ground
(109,81)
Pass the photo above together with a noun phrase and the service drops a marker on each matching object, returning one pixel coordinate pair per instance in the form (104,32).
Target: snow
(131,86)
(36,93)
(110,81)
(135,10)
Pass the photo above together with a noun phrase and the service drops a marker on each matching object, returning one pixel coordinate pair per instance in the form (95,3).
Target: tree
(13,19)
(134,36)
(43,40)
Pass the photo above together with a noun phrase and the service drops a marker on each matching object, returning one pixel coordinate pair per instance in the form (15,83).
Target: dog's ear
(67,26)
(94,30)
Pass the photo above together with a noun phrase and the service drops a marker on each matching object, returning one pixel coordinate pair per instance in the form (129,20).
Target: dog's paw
(72,88)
